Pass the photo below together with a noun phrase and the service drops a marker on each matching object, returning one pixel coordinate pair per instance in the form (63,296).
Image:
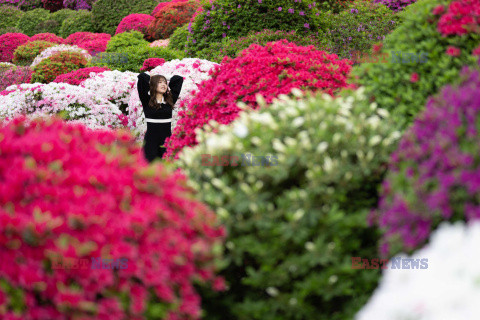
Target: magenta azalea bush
(78,76)
(136,21)
(395,5)
(50,37)
(69,195)
(152,63)
(95,46)
(435,172)
(9,42)
(274,69)
(81,36)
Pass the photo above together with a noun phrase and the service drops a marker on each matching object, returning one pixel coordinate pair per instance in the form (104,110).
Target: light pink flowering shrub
(160,43)
(9,42)
(274,69)
(81,36)
(81,194)
(136,21)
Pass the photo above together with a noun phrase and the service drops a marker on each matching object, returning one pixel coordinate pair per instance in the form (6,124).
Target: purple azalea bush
(434,175)
(78,4)
(395,5)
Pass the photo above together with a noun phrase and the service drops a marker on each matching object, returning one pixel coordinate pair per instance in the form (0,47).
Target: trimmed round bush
(403,85)
(178,39)
(107,14)
(294,204)
(59,16)
(270,70)
(47,26)
(136,21)
(126,39)
(95,46)
(79,37)
(433,175)
(78,76)
(59,63)
(14,75)
(10,16)
(163,4)
(10,30)
(28,22)
(53,5)
(171,17)
(26,53)
(50,37)
(9,42)
(81,21)
(79,199)
(235,18)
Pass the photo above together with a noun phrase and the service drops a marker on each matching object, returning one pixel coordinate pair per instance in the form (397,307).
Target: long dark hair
(154,81)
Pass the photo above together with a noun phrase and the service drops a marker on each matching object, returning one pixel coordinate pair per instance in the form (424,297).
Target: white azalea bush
(294,222)
(72,103)
(194,72)
(63,47)
(449,289)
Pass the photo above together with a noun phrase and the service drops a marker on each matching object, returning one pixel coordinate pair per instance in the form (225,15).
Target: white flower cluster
(449,289)
(52,50)
(76,103)
(194,71)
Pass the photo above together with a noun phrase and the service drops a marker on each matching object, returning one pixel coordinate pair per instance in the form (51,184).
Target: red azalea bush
(163,4)
(95,46)
(78,76)
(53,5)
(14,75)
(170,17)
(68,193)
(50,37)
(434,175)
(9,42)
(26,53)
(81,36)
(461,17)
(136,21)
(152,63)
(274,69)
(59,63)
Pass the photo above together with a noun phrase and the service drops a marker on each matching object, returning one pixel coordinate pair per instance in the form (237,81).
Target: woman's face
(162,87)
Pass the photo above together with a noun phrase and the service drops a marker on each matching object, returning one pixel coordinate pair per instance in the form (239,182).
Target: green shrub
(126,39)
(10,30)
(25,53)
(294,226)
(27,5)
(178,40)
(59,63)
(403,88)
(132,58)
(10,16)
(28,22)
(54,24)
(81,21)
(232,47)
(47,26)
(236,18)
(107,14)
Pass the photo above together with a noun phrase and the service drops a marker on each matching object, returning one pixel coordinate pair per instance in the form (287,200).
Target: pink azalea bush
(9,42)
(78,76)
(67,193)
(160,43)
(81,36)
(95,46)
(136,21)
(14,75)
(162,5)
(50,37)
(274,69)
(152,63)
(459,18)
(435,172)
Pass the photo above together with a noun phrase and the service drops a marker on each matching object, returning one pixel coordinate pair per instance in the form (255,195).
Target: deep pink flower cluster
(434,175)
(95,46)
(152,63)
(461,17)
(274,69)
(78,38)
(15,75)
(78,76)
(50,37)
(9,42)
(136,21)
(70,192)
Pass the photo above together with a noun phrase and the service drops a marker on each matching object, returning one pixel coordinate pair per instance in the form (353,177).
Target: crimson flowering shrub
(269,71)
(83,194)
(95,46)
(435,172)
(53,5)
(78,37)
(461,17)
(136,21)
(50,37)
(152,63)
(78,76)
(171,17)
(14,75)
(9,42)
(26,53)
(59,63)
(163,4)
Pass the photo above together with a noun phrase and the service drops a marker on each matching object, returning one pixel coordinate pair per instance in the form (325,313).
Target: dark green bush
(81,21)
(10,30)
(28,22)
(47,26)
(56,19)
(126,39)
(178,39)
(25,53)
(107,14)
(294,226)
(10,16)
(403,88)
(132,58)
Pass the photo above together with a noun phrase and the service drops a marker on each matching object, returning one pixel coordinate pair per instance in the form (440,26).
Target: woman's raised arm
(175,86)
(143,87)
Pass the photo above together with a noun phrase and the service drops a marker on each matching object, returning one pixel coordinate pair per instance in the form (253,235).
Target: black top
(143,86)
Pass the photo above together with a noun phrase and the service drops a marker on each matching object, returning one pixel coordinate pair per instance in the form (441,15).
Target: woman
(157,106)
